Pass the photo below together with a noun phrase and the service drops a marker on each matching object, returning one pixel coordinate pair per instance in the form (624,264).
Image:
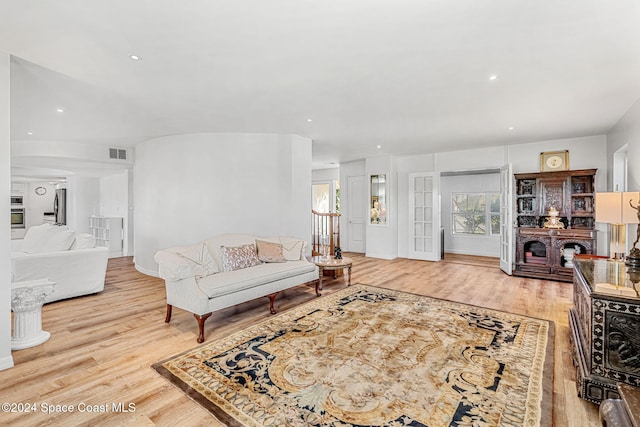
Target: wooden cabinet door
(552,194)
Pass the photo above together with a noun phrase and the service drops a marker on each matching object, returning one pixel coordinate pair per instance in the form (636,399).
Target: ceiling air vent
(118,153)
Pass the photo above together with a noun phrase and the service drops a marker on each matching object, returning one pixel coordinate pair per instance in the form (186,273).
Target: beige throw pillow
(270,252)
(239,257)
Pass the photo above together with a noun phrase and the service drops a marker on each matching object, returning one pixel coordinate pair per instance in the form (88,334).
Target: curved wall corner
(190,187)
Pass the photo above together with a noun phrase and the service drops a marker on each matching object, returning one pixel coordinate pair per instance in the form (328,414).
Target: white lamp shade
(609,208)
(614,207)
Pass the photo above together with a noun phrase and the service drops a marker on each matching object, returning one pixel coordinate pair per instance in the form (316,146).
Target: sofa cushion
(270,251)
(229,282)
(229,239)
(239,257)
(292,249)
(185,261)
(83,241)
(47,238)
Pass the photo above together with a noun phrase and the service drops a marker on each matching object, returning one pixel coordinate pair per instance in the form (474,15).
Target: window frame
(487,197)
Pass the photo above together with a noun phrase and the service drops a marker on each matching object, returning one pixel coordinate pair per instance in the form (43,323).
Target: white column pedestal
(27,299)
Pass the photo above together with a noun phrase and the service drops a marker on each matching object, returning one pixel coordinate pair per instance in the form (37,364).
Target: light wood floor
(102,346)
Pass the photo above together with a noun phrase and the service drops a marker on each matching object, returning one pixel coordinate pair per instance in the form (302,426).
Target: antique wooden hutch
(540,250)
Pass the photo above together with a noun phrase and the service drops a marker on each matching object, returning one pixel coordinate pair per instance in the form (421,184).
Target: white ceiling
(409,75)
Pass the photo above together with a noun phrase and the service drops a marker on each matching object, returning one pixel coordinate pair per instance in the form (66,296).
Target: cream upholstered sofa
(229,269)
(57,253)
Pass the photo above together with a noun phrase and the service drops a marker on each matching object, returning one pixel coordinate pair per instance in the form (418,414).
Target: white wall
(627,131)
(114,201)
(476,159)
(382,239)
(294,183)
(6,361)
(329,174)
(190,187)
(584,153)
(130,214)
(483,245)
(36,205)
(83,200)
(80,152)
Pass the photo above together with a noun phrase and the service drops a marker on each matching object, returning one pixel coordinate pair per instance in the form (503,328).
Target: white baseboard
(6,363)
(146,271)
(474,253)
(380,256)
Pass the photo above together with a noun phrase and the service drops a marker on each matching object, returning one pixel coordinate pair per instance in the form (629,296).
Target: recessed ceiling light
(493,77)
(135,58)
(29,133)
(379,146)
(309,120)
(511,128)
(59,110)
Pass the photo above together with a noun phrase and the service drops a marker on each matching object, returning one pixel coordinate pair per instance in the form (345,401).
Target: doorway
(325,196)
(470,212)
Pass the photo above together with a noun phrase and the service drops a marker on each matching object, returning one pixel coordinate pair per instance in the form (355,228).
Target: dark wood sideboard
(539,250)
(604,328)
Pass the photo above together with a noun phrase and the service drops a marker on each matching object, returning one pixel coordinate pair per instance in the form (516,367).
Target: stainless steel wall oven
(17,218)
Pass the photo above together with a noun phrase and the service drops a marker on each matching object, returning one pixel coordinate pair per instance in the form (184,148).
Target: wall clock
(554,161)
(41,191)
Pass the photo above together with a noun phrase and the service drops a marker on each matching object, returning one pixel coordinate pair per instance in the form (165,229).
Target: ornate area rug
(366,356)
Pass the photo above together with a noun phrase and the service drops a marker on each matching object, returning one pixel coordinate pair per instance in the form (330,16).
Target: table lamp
(619,209)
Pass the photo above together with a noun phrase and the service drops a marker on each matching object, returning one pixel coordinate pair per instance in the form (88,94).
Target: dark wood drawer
(563,271)
(534,268)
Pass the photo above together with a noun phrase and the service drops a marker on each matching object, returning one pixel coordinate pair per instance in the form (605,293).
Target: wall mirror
(378,199)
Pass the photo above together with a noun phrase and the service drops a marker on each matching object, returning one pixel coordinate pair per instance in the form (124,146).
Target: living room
(185,184)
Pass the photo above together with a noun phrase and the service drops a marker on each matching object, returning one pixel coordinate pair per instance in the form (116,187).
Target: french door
(506,213)
(424,216)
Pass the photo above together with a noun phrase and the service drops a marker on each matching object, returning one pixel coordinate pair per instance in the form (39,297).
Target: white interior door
(356,213)
(506,213)
(424,216)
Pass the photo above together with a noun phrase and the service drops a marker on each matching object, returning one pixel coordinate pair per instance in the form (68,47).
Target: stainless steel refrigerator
(60,206)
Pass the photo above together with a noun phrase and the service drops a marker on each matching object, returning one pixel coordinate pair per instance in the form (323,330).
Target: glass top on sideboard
(608,277)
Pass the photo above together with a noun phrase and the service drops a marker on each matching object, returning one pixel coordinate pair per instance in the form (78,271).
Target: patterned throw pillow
(270,252)
(238,257)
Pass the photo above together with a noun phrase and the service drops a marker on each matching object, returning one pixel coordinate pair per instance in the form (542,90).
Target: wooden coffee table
(330,264)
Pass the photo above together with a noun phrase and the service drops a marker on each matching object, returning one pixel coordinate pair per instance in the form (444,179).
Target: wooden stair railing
(326,231)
